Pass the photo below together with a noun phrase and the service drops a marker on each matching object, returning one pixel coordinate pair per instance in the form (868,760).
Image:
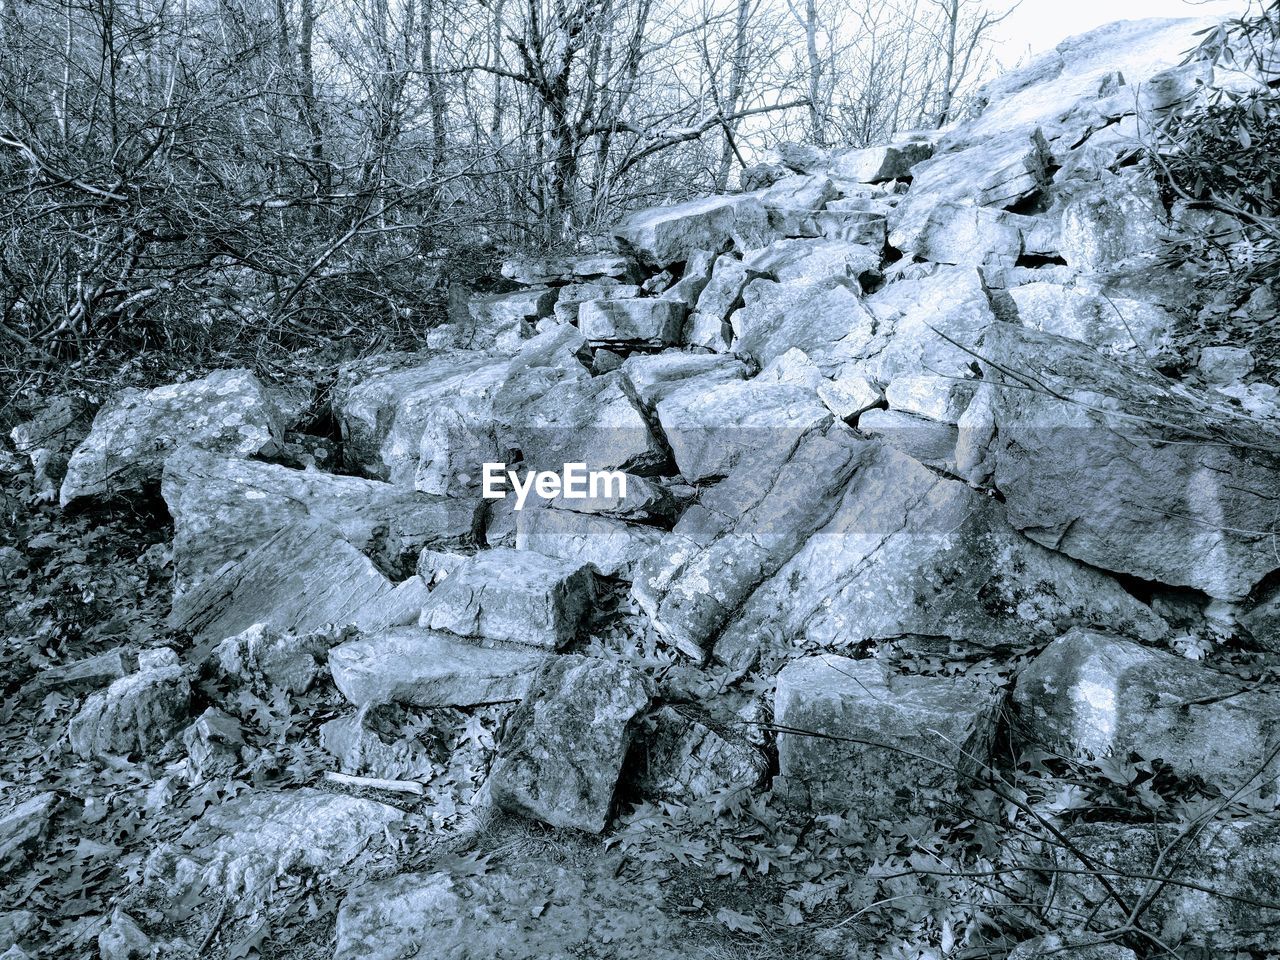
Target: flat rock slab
(135,715)
(222,509)
(302,580)
(1114,324)
(565,744)
(228,412)
(650,321)
(713,427)
(1109,463)
(242,847)
(1094,695)
(516,596)
(908,552)
(519,911)
(384,404)
(913,743)
(1236,859)
(23,827)
(740,533)
(666,235)
(611,545)
(892,161)
(655,376)
(809,260)
(424,668)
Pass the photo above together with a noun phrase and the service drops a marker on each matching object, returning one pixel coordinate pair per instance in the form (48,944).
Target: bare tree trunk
(730,105)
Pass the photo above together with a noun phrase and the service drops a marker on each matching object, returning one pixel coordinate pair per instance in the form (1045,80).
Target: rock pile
(897,398)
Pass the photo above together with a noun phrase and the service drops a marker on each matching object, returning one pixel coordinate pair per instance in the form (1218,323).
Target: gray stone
(667,235)
(243,847)
(757,176)
(845,396)
(1116,221)
(228,412)
(135,715)
(523,909)
(384,404)
(740,532)
(723,292)
(906,552)
(265,658)
(697,273)
(611,545)
(892,161)
(222,509)
(655,376)
(962,233)
(925,395)
(867,228)
(92,672)
(1054,946)
(452,453)
(1222,894)
(564,746)
(421,668)
(886,746)
(534,270)
(825,319)
(1117,325)
(513,595)
(658,322)
(501,320)
(712,427)
(683,758)
(1105,461)
(48,439)
(22,828)
(374,742)
(1093,695)
(213,744)
(14,926)
(123,939)
(930,442)
(573,296)
(1225,364)
(814,260)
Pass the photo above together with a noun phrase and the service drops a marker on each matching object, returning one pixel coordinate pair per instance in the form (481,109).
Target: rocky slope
(917,530)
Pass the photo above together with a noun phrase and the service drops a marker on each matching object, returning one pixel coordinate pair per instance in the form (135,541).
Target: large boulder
(740,533)
(515,596)
(643,321)
(891,161)
(384,404)
(1216,888)
(815,259)
(826,319)
(135,715)
(502,320)
(564,746)
(228,412)
(855,737)
(1117,220)
(242,848)
(1093,695)
(424,668)
(49,437)
(1108,462)
(611,545)
(666,235)
(1115,325)
(655,376)
(712,427)
(223,508)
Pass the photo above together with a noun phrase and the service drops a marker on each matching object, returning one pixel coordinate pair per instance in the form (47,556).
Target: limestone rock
(384,404)
(14,926)
(845,396)
(1105,461)
(135,715)
(892,161)
(22,827)
(535,271)
(575,295)
(223,509)
(962,233)
(513,595)
(814,260)
(907,552)
(929,442)
(667,235)
(242,847)
(48,439)
(1118,219)
(502,320)
(740,532)
(1236,859)
(213,744)
(916,741)
(228,412)
(652,321)
(1225,364)
(1094,695)
(422,668)
(564,746)
(268,658)
(611,545)
(91,672)
(939,398)
(683,758)
(655,376)
(1116,325)
(374,742)
(1054,946)
(697,273)
(711,428)
(123,939)
(452,452)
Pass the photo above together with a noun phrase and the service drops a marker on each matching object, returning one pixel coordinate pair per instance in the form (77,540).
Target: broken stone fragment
(213,744)
(22,828)
(609,544)
(1118,220)
(421,668)
(684,758)
(266,658)
(697,273)
(857,737)
(1225,364)
(243,847)
(713,427)
(1092,695)
(655,376)
(374,742)
(891,161)
(137,714)
(814,260)
(502,320)
(1114,324)
(48,439)
(666,235)
(515,596)
(228,412)
(123,939)
(650,321)
(94,671)
(565,744)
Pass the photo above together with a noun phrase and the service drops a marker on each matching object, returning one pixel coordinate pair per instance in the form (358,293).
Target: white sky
(1038,25)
